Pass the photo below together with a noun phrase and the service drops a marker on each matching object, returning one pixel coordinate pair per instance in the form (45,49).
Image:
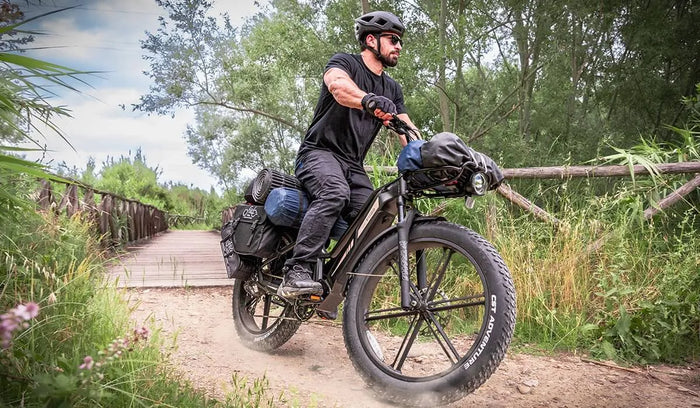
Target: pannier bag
(253,234)
(265,181)
(236,266)
(286,207)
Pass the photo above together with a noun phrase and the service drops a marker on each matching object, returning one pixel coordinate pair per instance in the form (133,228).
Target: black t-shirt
(347,132)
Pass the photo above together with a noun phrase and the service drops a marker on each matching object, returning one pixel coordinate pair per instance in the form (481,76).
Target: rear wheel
(455,333)
(263,320)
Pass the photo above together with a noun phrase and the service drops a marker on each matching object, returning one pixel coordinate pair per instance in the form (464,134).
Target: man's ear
(373,40)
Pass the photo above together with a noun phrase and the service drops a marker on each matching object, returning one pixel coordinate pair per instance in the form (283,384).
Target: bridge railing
(120,220)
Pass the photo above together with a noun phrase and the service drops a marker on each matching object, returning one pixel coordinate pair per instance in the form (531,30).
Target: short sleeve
(398,100)
(344,62)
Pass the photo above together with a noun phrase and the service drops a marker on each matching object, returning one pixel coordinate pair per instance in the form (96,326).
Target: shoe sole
(296,292)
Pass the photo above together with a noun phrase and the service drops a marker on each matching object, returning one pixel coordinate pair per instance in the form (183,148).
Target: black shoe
(297,282)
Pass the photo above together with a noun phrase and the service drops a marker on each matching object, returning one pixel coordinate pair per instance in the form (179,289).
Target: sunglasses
(395,39)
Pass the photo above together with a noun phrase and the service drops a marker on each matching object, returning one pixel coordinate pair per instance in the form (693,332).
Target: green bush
(80,350)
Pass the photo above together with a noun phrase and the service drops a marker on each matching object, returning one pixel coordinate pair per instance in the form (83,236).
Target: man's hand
(379,106)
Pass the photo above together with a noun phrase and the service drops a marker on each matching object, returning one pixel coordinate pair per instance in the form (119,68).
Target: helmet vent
(381,21)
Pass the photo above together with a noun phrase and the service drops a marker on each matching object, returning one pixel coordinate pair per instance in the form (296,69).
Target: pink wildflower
(141,333)
(14,319)
(88,363)
(28,311)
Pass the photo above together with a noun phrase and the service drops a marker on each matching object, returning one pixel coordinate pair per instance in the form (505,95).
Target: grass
(54,262)
(634,299)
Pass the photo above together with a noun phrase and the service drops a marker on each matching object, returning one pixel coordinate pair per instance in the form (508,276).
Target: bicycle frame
(375,221)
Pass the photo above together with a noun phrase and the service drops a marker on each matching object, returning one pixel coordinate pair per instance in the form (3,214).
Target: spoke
(441,335)
(458,303)
(250,305)
(407,343)
(266,311)
(388,314)
(440,274)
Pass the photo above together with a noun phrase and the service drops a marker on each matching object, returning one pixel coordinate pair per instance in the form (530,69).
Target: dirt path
(313,368)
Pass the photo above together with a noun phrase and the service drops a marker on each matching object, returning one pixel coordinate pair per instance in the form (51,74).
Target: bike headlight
(479,183)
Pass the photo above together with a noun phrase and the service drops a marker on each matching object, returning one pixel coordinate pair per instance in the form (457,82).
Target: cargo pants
(336,188)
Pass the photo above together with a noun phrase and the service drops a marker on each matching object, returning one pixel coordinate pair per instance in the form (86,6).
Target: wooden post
(105,214)
(525,204)
(45,195)
(90,210)
(673,198)
(70,200)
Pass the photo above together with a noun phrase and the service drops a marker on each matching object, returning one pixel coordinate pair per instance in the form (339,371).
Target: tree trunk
(442,81)
(365,6)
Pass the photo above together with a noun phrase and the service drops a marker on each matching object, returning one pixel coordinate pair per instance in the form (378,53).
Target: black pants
(337,188)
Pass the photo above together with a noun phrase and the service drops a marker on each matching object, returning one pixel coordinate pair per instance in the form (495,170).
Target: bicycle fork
(403,227)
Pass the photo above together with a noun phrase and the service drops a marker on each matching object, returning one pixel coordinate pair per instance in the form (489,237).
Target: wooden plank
(172,259)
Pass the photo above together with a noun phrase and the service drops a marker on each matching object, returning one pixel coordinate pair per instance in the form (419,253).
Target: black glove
(370,102)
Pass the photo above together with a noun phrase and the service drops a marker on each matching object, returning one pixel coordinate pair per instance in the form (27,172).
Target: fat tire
(270,339)
(458,382)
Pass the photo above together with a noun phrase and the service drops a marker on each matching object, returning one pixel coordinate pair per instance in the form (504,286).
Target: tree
(249,90)
(133,178)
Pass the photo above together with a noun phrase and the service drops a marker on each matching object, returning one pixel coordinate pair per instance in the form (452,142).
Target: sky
(105,35)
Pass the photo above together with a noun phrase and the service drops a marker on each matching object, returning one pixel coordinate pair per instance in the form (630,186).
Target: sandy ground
(313,369)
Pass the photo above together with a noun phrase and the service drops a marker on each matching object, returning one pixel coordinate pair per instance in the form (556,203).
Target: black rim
(442,330)
(261,314)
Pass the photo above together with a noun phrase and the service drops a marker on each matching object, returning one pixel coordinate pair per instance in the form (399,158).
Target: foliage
(531,83)
(133,178)
(22,104)
(51,261)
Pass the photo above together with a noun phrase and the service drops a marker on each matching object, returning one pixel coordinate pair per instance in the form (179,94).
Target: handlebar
(399,126)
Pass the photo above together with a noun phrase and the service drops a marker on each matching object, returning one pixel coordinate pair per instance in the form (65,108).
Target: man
(356,97)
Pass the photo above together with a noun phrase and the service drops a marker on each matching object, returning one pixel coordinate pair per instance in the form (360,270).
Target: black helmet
(376,22)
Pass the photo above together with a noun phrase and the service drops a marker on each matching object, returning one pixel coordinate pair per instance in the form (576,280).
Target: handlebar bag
(253,233)
(239,267)
(447,149)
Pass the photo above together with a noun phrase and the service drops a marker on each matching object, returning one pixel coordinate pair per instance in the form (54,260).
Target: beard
(389,60)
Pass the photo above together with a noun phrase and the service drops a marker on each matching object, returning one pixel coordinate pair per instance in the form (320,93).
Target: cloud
(105,35)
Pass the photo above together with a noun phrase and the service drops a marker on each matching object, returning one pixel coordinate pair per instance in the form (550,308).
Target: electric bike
(428,306)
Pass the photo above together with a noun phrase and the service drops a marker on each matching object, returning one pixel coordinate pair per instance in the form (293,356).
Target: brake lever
(399,126)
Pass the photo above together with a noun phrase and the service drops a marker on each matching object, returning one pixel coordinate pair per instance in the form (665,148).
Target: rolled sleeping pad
(269,179)
(286,207)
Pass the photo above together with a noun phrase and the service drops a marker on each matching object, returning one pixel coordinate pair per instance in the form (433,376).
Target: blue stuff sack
(410,157)
(286,207)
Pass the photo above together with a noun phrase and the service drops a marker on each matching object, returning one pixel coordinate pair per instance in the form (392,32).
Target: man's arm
(347,93)
(343,88)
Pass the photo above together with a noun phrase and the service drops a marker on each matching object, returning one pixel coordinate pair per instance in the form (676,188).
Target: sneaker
(297,282)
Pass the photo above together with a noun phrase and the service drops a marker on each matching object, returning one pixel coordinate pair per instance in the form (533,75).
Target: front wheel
(457,330)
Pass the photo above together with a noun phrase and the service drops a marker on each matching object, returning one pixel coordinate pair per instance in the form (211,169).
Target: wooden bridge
(172,259)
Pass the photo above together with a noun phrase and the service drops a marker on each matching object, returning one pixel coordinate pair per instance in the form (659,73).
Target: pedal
(327,315)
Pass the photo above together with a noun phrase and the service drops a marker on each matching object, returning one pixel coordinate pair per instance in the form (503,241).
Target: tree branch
(253,111)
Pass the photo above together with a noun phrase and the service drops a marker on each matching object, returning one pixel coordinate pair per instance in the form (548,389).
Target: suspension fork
(403,227)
